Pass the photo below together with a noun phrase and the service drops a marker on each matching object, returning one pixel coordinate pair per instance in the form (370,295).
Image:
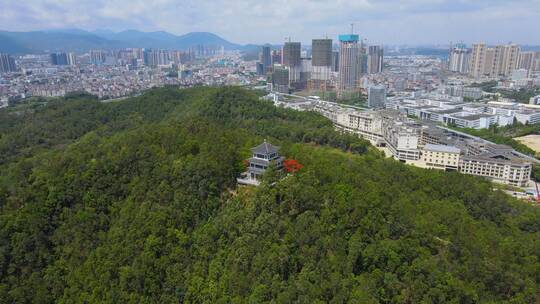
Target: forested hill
(136,202)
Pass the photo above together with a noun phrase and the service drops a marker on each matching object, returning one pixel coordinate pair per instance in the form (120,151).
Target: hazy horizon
(389,22)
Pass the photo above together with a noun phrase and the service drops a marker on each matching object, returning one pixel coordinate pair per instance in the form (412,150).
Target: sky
(390,22)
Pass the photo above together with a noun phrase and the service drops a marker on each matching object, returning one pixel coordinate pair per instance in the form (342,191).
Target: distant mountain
(10,45)
(79,40)
(49,41)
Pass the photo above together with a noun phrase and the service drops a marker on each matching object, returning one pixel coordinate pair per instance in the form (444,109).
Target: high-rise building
(280,79)
(348,63)
(530,61)
(62,58)
(53,59)
(7,64)
(499,61)
(335,61)
(536,62)
(71,59)
(488,61)
(458,60)
(260,68)
(362,59)
(376,96)
(321,63)
(276,57)
(59,59)
(477,62)
(154,58)
(321,52)
(505,60)
(97,57)
(291,54)
(526,60)
(305,74)
(266,58)
(375,59)
(292,61)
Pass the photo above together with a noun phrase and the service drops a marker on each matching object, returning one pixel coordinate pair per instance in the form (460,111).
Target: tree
(291,165)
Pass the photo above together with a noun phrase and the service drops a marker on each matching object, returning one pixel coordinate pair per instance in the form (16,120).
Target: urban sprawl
(413,108)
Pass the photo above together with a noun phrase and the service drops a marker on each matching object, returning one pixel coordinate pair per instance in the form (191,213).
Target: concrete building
(535,100)
(528,116)
(291,54)
(519,74)
(376,96)
(348,64)
(458,60)
(71,59)
(527,61)
(505,60)
(321,64)
(495,62)
(498,163)
(260,68)
(266,58)
(367,125)
(401,136)
(375,59)
(321,54)
(276,57)
(321,60)
(7,64)
(488,64)
(280,79)
(477,62)
(335,61)
(292,60)
(58,59)
(431,146)
(440,157)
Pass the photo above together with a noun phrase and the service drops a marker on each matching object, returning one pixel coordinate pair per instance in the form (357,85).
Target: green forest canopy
(136,202)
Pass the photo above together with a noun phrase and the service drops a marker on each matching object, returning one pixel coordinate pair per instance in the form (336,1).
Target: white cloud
(256,21)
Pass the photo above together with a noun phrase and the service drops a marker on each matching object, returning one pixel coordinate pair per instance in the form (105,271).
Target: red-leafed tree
(291,165)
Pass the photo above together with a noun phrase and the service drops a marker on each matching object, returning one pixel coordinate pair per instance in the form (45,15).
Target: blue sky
(258,21)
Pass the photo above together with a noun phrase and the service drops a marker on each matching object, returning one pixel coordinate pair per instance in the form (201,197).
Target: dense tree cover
(487,86)
(522,95)
(138,204)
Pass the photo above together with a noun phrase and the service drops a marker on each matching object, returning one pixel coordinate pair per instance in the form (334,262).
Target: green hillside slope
(136,202)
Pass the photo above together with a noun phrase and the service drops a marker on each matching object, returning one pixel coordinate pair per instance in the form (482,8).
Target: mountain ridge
(78,40)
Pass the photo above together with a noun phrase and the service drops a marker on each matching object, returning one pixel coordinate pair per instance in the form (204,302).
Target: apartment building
(494,62)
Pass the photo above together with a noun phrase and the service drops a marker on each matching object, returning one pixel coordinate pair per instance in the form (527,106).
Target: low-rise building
(499,165)
(431,146)
(440,157)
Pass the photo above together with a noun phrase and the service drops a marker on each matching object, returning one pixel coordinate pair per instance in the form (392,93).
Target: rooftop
(472,117)
(441,148)
(449,111)
(348,38)
(265,148)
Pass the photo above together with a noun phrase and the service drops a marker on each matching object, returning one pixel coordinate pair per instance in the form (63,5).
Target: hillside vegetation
(136,202)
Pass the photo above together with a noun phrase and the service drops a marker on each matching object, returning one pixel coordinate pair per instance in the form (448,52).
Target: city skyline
(389,22)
